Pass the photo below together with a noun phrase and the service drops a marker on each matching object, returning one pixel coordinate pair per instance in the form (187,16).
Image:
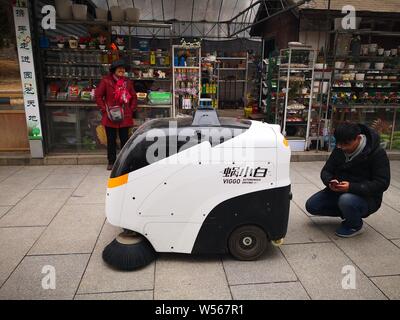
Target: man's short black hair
(346,132)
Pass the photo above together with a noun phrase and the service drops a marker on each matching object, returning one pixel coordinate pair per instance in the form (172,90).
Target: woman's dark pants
(112,141)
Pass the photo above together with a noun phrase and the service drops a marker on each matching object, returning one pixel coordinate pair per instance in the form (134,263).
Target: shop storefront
(352,76)
(71,58)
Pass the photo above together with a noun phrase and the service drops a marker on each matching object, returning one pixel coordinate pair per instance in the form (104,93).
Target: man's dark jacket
(368,173)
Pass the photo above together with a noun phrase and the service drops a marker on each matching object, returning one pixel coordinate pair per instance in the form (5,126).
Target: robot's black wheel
(247,242)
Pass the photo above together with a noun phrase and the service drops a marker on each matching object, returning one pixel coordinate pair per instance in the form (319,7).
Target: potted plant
(61,41)
(73,42)
(92,43)
(83,41)
(102,42)
(120,43)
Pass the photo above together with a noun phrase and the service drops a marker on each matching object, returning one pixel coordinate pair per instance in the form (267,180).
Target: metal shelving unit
(87,66)
(374,99)
(186,81)
(296,74)
(227,72)
(209,80)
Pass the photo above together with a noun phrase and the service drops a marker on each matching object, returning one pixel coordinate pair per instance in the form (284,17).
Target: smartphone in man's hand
(334,183)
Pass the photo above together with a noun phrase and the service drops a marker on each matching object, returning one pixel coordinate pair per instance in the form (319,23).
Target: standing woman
(115,95)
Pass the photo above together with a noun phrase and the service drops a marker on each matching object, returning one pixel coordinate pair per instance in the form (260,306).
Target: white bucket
(117,14)
(132,14)
(79,11)
(101,14)
(64,9)
(360,76)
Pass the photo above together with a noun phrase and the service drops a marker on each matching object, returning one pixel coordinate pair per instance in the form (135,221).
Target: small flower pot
(121,47)
(82,46)
(102,46)
(73,44)
(60,45)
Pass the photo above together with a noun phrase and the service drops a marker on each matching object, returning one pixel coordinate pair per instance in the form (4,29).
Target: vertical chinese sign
(28,78)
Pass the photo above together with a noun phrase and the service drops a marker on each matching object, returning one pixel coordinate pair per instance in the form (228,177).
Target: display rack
(296,80)
(365,82)
(209,79)
(319,134)
(70,76)
(268,88)
(186,78)
(232,73)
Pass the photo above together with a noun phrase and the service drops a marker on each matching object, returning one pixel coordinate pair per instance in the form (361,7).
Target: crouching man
(355,175)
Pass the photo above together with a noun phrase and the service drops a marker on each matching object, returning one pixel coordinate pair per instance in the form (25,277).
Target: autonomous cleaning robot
(198,185)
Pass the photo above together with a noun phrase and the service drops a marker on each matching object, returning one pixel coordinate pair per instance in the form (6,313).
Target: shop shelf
(91,64)
(149,67)
(231,58)
(178,67)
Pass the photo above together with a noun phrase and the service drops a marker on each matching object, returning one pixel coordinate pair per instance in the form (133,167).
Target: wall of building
(315,39)
(283,28)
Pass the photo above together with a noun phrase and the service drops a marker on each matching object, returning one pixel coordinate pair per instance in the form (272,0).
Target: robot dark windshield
(172,135)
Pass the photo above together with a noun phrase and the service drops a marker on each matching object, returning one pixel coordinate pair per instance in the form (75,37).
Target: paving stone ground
(53,217)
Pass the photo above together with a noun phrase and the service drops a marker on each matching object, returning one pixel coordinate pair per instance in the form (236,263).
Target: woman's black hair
(346,132)
(119,63)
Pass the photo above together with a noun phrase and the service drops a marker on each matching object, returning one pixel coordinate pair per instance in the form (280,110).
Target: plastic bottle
(152,58)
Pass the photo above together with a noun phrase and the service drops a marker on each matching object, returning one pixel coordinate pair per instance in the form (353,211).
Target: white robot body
(174,202)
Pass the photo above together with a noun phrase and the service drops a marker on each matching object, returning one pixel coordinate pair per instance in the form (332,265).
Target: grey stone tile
(389,285)
(386,221)
(301,193)
(131,295)
(72,169)
(311,171)
(395,182)
(319,268)
(4,210)
(74,230)
(37,208)
(391,197)
(296,177)
(99,170)
(26,281)
(91,190)
(14,244)
(61,160)
(301,228)
(92,159)
(34,172)
(372,253)
(7,171)
(99,277)
(57,181)
(271,267)
(396,242)
(15,188)
(180,277)
(270,291)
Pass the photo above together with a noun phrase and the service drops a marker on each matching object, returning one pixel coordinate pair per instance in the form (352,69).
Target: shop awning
(193,18)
